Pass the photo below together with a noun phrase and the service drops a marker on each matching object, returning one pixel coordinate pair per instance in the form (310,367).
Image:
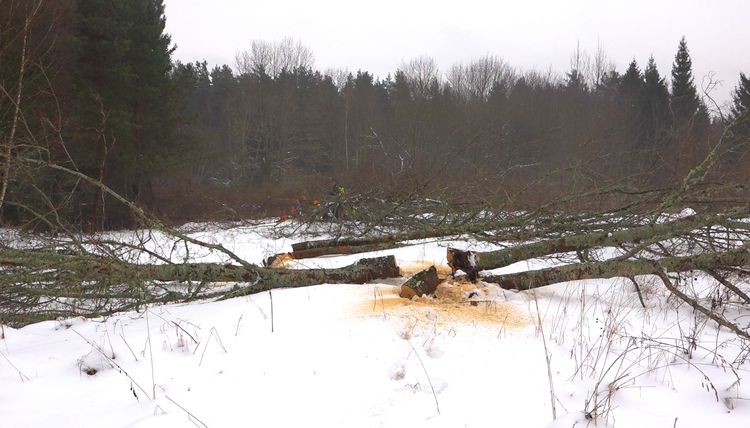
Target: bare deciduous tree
(339,76)
(421,73)
(476,79)
(274,57)
(13,97)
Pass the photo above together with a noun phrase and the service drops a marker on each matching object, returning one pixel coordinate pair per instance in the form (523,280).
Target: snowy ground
(357,355)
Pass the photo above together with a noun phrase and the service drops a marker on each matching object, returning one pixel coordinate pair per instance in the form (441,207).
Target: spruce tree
(123,69)
(631,82)
(655,104)
(575,81)
(741,98)
(684,102)
(741,108)
(609,84)
(630,92)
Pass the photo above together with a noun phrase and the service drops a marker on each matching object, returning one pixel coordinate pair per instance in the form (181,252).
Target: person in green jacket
(337,193)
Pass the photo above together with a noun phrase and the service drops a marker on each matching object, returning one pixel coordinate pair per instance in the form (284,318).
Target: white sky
(529,34)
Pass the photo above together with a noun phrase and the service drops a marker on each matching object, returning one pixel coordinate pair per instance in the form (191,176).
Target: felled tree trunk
(342,249)
(28,276)
(620,268)
(361,272)
(359,245)
(386,239)
(583,242)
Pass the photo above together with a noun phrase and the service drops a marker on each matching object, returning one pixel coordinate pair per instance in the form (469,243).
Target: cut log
(423,283)
(580,243)
(620,268)
(396,240)
(361,272)
(343,249)
(32,275)
(343,242)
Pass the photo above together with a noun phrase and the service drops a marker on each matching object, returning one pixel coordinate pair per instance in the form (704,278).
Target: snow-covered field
(359,356)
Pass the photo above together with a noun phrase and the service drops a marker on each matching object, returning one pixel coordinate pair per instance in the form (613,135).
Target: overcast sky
(528,34)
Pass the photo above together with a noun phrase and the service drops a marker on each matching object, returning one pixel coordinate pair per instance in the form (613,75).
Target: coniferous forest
(89,90)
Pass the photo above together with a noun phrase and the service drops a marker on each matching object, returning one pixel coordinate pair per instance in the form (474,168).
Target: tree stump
(466,261)
(422,283)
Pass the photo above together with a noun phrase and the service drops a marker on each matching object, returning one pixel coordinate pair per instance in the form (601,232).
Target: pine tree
(684,102)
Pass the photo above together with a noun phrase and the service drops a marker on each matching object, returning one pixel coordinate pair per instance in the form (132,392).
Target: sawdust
(281,261)
(449,306)
(411,268)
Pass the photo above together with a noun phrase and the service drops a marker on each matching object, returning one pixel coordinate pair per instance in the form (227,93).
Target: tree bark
(620,268)
(395,239)
(10,144)
(636,235)
(361,272)
(32,275)
(343,249)
(38,265)
(422,283)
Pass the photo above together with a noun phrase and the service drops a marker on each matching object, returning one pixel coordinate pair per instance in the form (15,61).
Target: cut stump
(466,261)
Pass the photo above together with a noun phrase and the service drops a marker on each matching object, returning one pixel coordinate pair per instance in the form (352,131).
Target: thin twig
(437,406)
(23,377)
(151,357)
(191,416)
(547,359)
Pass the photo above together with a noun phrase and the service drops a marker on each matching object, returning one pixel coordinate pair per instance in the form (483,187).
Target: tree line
(91,86)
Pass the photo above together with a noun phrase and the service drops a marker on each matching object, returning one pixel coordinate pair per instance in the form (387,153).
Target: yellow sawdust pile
(281,261)
(409,269)
(449,305)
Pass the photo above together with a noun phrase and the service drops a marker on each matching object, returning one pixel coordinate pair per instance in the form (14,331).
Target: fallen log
(343,249)
(388,239)
(620,268)
(361,272)
(495,259)
(30,277)
(385,241)
(344,242)
(310,249)
(640,235)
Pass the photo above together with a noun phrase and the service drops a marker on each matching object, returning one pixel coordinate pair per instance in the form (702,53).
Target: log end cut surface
(423,283)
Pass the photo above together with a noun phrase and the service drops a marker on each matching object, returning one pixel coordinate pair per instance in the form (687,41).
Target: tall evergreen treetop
(685,101)
(741,98)
(631,82)
(741,108)
(656,117)
(651,76)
